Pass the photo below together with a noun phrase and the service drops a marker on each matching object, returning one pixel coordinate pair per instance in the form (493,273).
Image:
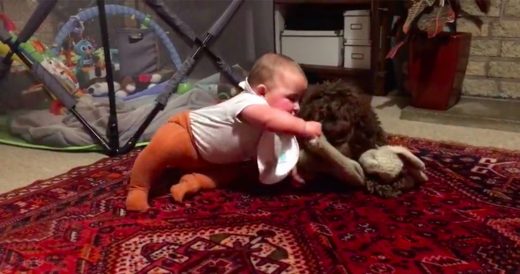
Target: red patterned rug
(465,219)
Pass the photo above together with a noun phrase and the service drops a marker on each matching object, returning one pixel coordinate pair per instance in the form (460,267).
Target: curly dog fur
(348,120)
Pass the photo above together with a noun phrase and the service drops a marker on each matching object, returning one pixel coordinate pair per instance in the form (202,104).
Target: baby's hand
(312,129)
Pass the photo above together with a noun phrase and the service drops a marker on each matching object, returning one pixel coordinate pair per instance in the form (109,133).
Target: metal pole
(112,130)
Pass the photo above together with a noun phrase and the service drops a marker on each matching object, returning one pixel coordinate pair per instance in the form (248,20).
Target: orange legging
(172,146)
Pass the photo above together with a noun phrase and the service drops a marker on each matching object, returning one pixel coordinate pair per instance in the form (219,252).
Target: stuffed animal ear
(414,166)
(408,157)
(418,175)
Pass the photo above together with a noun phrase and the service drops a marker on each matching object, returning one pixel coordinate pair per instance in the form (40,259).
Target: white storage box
(357,54)
(356,24)
(313,47)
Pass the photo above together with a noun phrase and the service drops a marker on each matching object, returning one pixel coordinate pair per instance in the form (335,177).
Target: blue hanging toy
(85,50)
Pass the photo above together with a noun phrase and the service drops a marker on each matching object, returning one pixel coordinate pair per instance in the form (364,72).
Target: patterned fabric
(465,219)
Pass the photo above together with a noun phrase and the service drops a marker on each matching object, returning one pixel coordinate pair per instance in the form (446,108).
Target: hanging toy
(77,29)
(75,35)
(84,49)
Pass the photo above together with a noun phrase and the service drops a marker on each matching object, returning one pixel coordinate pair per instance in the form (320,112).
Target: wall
(494,66)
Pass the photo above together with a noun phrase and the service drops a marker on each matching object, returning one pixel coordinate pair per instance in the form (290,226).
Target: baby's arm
(276,120)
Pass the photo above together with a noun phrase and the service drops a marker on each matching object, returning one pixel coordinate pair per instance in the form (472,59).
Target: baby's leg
(170,147)
(192,183)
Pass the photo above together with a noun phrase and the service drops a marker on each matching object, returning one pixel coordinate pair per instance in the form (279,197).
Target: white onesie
(222,138)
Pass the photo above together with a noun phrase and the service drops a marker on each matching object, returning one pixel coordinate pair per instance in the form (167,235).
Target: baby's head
(280,80)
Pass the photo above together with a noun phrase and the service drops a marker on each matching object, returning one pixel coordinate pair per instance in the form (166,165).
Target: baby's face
(286,90)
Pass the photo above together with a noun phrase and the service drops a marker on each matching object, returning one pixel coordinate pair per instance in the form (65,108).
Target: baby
(211,144)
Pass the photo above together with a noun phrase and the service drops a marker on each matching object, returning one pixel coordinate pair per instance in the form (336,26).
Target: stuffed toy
(127,85)
(90,62)
(130,85)
(85,50)
(391,169)
(100,88)
(353,132)
(147,80)
(133,84)
(386,171)
(86,64)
